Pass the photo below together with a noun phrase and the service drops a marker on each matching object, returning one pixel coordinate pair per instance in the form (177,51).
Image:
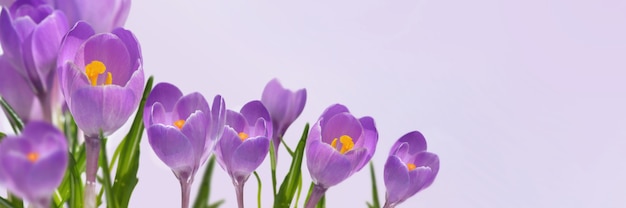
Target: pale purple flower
(30,34)
(182,130)
(409,168)
(284,106)
(32,165)
(16,91)
(101,76)
(244,143)
(102,15)
(338,145)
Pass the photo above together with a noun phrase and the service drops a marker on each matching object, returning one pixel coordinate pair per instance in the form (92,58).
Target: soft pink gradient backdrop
(524,101)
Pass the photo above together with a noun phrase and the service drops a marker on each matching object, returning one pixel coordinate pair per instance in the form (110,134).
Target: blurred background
(523,101)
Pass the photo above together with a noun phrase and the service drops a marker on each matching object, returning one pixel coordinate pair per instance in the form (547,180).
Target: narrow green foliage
(5,204)
(202,198)
(106,180)
(290,183)
(286,147)
(258,195)
(128,161)
(2,135)
(15,201)
(273,167)
(14,119)
(375,202)
(299,191)
(216,204)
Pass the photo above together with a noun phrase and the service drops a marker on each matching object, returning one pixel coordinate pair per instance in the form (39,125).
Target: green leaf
(5,204)
(106,180)
(258,195)
(128,162)
(273,167)
(286,147)
(299,191)
(290,183)
(216,204)
(15,201)
(375,201)
(322,202)
(14,119)
(202,199)
(2,135)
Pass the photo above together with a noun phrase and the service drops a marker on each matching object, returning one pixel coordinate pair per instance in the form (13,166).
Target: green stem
(258,195)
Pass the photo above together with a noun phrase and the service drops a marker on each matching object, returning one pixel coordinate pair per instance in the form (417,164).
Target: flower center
(411,166)
(243,136)
(179,124)
(32,157)
(95,69)
(346,144)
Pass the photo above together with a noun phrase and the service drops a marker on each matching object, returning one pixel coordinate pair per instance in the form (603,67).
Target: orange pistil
(411,166)
(94,69)
(179,124)
(32,157)
(243,136)
(346,143)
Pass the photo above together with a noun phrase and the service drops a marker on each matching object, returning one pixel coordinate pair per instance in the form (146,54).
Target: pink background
(523,101)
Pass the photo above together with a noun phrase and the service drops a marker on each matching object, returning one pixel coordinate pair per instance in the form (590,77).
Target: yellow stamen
(94,69)
(346,144)
(32,157)
(411,166)
(243,136)
(109,79)
(179,124)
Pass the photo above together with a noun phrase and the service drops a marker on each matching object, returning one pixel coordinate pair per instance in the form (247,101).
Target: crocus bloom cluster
(244,143)
(32,165)
(102,15)
(284,107)
(338,146)
(182,130)
(409,168)
(30,35)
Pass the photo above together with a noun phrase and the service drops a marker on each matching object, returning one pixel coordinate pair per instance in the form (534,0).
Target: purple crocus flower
(338,145)
(182,130)
(409,168)
(32,165)
(284,107)
(101,77)
(30,35)
(102,15)
(244,143)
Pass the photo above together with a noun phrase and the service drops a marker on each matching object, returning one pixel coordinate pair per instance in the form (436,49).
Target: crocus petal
(159,116)
(249,155)
(164,93)
(331,111)
(77,35)
(326,166)
(218,117)
(103,109)
(70,79)
(254,110)
(430,160)
(16,91)
(195,130)
(236,121)
(341,124)
(111,51)
(396,177)
(368,140)
(274,98)
(189,104)
(172,147)
(134,49)
(415,140)
(45,176)
(10,39)
(226,146)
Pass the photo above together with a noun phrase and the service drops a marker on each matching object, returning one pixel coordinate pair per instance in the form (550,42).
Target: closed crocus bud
(17,93)
(103,15)
(284,107)
(182,130)
(32,164)
(409,168)
(244,144)
(338,145)
(30,34)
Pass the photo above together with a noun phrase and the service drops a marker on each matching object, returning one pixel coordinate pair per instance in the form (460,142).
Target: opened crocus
(103,15)
(30,34)
(338,145)
(284,106)
(182,130)
(101,77)
(409,168)
(244,144)
(32,165)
